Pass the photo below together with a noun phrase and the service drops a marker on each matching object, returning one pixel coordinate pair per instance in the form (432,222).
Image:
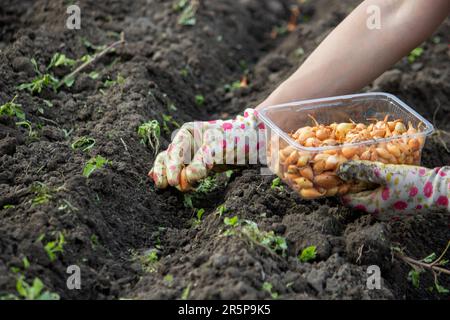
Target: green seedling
(276,184)
(199,100)
(308,254)
(148,260)
(198,220)
(40,82)
(9,206)
(25,262)
(60,59)
(415,54)
(67,133)
(168,279)
(186,292)
(299,52)
(35,291)
(232,222)
(250,230)
(12,109)
(414,277)
(94,241)
(187,16)
(166,121)
(90,46)
(279,31)
(187,201)
(150,132)
(184,72)
(93,164)
(84,143)
(120,80)
(207,185)
(27,125)
(67,206)
(42,193)
(232,86)
(179,5)
(93,75)
(221,210)
(53,247)
(268,287)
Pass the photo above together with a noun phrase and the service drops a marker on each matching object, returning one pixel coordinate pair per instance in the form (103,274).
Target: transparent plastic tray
(280,120)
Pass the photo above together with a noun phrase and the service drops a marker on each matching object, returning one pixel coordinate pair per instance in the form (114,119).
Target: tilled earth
(114,218)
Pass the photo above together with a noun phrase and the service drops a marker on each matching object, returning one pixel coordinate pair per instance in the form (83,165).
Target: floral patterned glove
(235,141)
(404,190)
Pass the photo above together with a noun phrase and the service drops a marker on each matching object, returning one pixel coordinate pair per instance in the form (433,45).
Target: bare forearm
(353,55)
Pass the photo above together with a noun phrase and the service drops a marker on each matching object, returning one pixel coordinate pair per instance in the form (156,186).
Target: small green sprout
(221,210)
(27,124)
(198,220)
(94,241)
(415,54)
(148,260)
(42,193)
(39,83)
(207,185)
(250,230)
(67,133)
(12,109)
(26,262)
(232,86)
(168,279)
(414,277)
(268,287)
(232,222)
(308,254)
(93,164)
(199,100)
(34,291)
(184,72)
(187,16)
(150,132)
(166,121)
(186,292)
(180,5)
(120,80)
(60,59)
(152,256)
(187,201)
(267,239)
(54,247)
(84,143)
(9,206)
(276,184)
(93,75)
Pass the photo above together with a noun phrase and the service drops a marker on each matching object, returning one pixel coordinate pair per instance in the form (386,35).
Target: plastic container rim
(263,116)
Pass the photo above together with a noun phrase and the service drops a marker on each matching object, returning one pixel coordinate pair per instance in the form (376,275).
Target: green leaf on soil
(84,143)
(60,59)
(199,100)
(93,164)
(308,254)
(12,109)
(415,54)
(414,276)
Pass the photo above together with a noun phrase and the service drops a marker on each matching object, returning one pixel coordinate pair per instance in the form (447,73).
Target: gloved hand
(404,189)
(235,141)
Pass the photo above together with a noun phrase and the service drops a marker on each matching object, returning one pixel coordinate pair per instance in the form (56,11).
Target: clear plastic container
(301,167)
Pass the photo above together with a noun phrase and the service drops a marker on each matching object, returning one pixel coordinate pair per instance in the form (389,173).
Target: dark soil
(115,216)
